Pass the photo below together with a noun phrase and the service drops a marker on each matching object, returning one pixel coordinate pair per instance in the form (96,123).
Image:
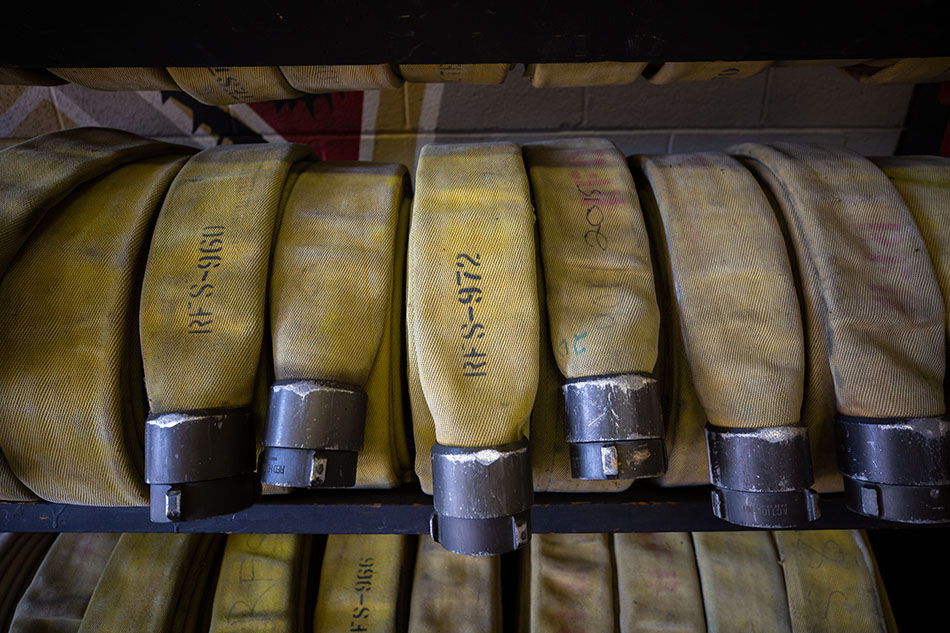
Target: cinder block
(513,105)
(702,104)
(812,96)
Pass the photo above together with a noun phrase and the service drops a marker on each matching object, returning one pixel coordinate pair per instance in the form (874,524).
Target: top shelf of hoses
(770,320)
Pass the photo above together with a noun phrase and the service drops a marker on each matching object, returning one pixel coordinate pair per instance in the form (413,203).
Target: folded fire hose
(454,593)
(472,330)
(222,85)
(583,74)
(742,331)
(203,312)
(901,71)
(62,587)
(362,583)
(20,556)
(34,177)
(319,79)
(262,584)
(156,583)
(455,73)
(924,184)
(601,306)
(118,78)
(331,293)
(861,258)
(570,583)
(71,384)
(658,584)
(28,77)
(675,72)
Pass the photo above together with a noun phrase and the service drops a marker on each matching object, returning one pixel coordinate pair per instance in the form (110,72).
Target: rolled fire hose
(742,330)
(318,79)
(222,85)
(583,74)
(333,269)
(62,587)
(683,414)
(830,582)
(657,584)
(156,583)
(741,568)
(924,184)
(602,307)
(364,583)
(454,593)
(675,72)
(857,242)
(203,308)
(901,71)
(28,77)
(472,329)
(34,177)
(20,555)
(70,387)
(134,78)
(262,585)
(571,581)
(550,454)
(455,73)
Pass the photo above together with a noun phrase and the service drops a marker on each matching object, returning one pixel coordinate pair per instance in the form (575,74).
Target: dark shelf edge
(435,31)
(406,511)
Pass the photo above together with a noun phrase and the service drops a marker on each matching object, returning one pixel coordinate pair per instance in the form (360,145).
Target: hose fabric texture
(62,587)
(37,175)
(262,584)
(455,73)
(583,74)
(657,584)
(856,241)
(601,298)
(28,77)
(222,85)
(471,310)
(571,581)
(335,287)
(454,593)
(20,555)
(830,580)
(683,415)
(741,568)
(361,583)
(118,78)
(156,583)
(675,72)
(203,298)
(735,295)
(319,79)
(901,71)
(70,389)
(924,184)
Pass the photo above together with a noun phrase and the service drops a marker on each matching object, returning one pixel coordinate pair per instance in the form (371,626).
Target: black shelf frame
(406,510)
(445,31)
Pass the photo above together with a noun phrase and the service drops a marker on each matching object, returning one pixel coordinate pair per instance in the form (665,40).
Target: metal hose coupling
(314,434)
(614,427)
(200,464)
(762,476)
(897,469)
(482,498)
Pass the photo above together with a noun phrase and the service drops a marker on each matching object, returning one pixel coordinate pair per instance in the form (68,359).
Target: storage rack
(429,31)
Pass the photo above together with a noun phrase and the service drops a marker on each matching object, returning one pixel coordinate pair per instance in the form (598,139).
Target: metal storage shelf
(406,510)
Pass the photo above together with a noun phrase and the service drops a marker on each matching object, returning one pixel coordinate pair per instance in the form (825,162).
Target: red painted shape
(330,123)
